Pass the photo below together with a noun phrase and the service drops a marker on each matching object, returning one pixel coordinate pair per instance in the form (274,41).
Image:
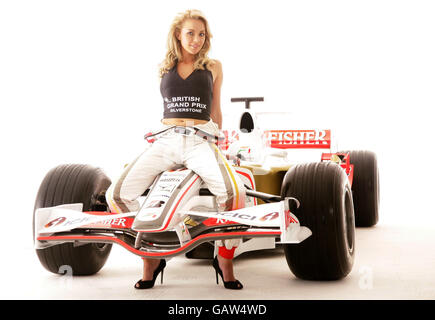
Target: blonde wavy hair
(174,52)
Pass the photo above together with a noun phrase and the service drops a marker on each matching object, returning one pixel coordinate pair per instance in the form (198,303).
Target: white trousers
(172,149)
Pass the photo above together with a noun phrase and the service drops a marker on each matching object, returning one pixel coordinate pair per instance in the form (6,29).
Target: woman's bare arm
(216,113)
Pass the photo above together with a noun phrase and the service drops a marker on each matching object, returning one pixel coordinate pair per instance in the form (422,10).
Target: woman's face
(192,36)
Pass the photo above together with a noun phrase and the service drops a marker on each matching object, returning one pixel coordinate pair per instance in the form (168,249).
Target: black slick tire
(326,208)
(65,184)
(365,187)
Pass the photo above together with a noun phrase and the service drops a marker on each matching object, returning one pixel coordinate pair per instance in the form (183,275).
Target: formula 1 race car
(311,209)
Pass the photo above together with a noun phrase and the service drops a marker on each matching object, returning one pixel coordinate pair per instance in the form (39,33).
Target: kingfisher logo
(287,139)
(269,216)
(55,222)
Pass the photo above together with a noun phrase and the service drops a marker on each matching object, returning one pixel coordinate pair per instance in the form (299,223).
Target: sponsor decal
(269,216)
(118,223)
(55,222)
(165,188)
(147,215)
(176,179)
(184,229)
(244,149)
(153,207)
(217,221)
(231,214)
(63,221)
(245,216)
(229,137)
(86,222)
(285,139)
(155,204)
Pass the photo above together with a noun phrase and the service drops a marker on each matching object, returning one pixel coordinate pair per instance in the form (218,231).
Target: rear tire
(365,187)
(65,184)
(326,208)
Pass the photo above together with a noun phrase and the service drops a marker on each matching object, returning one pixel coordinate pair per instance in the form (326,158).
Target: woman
(190,87)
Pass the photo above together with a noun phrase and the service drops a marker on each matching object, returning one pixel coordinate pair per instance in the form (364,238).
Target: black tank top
(187,98)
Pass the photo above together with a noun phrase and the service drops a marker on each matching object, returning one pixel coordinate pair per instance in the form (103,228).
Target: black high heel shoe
(235,285)
(147,284)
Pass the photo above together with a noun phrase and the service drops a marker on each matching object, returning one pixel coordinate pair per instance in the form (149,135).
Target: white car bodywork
(260,150)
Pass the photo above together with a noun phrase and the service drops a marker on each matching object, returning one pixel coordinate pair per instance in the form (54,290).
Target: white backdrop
(79,84)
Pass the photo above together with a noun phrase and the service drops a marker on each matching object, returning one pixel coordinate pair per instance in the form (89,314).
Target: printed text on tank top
(189,97)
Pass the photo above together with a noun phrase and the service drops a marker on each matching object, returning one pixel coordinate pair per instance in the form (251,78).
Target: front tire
(326,208)
(67,184)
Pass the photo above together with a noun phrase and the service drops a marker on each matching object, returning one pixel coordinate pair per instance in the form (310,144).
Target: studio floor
(393,261)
